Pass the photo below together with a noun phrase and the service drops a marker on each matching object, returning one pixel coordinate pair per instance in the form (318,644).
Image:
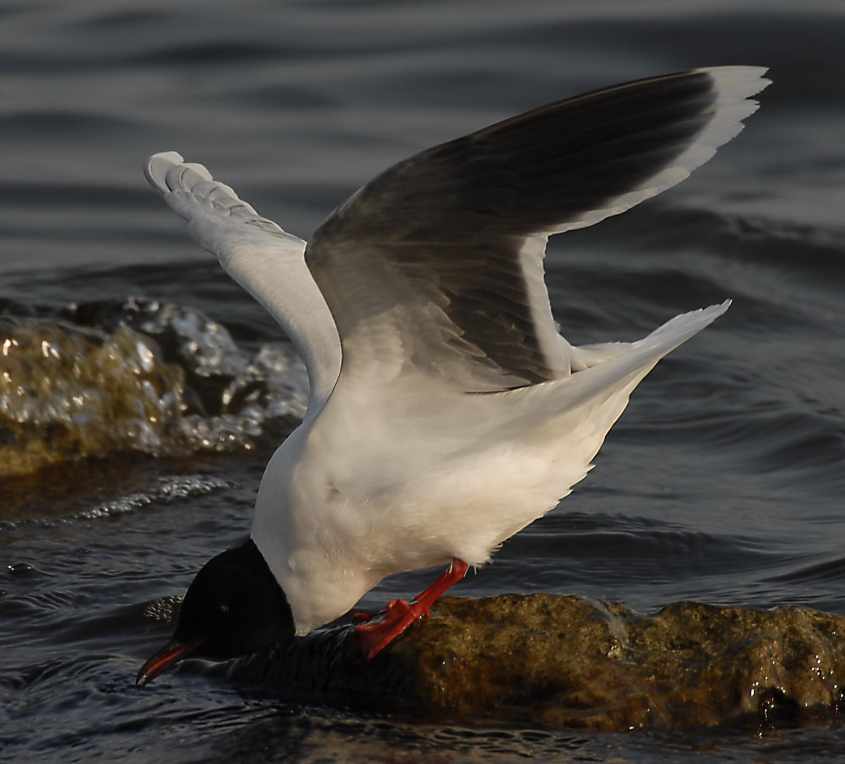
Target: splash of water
(138,376)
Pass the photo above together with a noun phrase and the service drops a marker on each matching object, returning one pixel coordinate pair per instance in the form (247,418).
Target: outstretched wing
(436,266)
(265,260)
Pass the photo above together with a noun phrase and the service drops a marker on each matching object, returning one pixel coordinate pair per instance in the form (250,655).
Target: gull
(446,411)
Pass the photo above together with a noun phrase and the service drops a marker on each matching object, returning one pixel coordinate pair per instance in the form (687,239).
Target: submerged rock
(559,661)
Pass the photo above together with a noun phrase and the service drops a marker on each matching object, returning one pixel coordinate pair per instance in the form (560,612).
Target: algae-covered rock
(565,661)
(558,661)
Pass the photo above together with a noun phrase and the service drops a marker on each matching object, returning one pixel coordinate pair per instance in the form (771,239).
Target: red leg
(455,574)
(400,615)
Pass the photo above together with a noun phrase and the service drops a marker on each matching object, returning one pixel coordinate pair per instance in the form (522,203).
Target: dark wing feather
(438,261)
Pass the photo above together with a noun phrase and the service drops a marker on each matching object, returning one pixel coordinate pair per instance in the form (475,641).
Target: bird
(446,411)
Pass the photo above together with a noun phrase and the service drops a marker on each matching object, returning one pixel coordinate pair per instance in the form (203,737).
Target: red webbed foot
(374,636)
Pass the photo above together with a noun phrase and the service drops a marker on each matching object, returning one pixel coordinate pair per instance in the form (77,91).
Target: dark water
(723,482)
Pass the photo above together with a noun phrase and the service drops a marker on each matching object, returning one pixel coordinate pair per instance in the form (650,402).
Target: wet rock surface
(565,662)
(103,379)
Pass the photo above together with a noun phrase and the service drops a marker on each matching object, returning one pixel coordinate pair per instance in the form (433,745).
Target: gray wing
(436,266)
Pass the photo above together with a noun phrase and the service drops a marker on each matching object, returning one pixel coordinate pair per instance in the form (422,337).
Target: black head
(234,606)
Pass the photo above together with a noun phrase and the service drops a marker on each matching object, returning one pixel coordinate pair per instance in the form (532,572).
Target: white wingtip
(157,167)
(733,88)
(190,190)
(736,87)
(740,82)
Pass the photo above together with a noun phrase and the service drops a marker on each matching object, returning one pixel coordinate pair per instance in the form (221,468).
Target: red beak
(171,653)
